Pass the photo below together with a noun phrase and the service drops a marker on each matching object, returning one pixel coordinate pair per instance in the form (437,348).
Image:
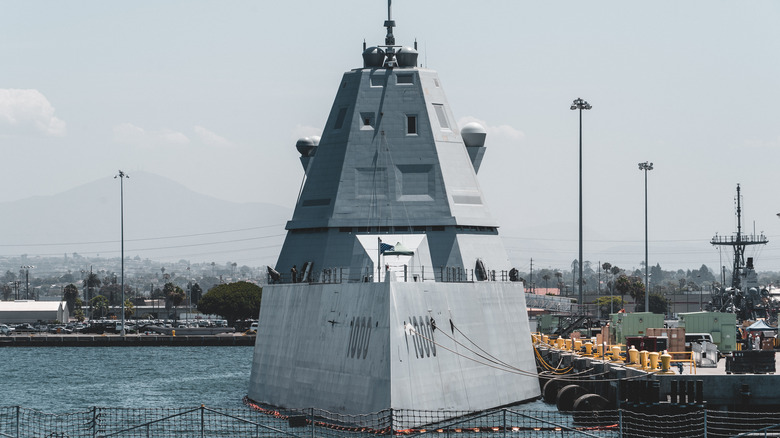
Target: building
(21,311)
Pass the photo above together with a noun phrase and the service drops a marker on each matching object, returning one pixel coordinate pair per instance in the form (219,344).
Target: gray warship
(393,289)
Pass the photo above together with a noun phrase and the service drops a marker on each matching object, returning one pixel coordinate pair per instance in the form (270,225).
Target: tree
(607,304)
(195,293)
(9,276)
(129,309)
(157,294)
(630,285)
(546,278)
(114,293)
(173,294)
(93,281)
(658,304)
(79,315)
(232,301)
(99,306)
(70,295)
(6,290)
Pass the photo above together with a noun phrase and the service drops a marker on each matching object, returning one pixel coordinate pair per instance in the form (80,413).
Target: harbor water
(62,379)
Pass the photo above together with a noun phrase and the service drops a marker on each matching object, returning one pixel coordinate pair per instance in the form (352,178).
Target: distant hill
(163,220)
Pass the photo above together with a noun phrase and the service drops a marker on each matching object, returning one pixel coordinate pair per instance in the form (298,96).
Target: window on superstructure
(441,115)
(411,124)
(404,79)
(367,120)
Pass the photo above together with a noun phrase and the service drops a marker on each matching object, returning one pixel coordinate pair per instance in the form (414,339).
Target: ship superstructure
(392,289)
(745,297)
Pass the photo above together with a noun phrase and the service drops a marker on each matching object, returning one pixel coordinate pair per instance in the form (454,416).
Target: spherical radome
(473,134)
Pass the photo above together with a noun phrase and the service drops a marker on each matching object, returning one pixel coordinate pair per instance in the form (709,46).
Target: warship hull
(366,347)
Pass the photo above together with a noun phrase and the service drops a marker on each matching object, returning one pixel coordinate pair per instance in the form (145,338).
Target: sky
(214,95)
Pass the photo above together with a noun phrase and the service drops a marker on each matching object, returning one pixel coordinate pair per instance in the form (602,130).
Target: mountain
(163,220)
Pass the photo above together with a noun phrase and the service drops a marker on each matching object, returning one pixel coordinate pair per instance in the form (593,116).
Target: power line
(277,226)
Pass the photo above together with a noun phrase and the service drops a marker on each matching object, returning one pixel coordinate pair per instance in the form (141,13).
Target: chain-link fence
(258,421)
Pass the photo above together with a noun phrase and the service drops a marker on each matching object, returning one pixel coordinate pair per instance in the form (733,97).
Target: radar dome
(473,134)
(307,145)
(373,57)
(407,57)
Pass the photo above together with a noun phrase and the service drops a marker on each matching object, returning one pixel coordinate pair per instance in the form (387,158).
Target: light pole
(122,177)
(580,104)
(646,166)
(27,280)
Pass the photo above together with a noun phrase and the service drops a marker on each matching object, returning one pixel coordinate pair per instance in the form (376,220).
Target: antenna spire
(390,24)
(389,38)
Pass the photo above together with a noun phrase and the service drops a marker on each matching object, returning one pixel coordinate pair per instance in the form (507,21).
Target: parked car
(253,327)
(5,330)
(25,328)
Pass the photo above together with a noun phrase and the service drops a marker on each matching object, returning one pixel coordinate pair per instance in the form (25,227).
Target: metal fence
(254,421)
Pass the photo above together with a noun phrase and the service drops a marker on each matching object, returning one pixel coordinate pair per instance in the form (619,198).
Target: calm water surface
(57,379)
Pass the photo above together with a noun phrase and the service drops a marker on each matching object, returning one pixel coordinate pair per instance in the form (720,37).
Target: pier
(242,340)
(620,382)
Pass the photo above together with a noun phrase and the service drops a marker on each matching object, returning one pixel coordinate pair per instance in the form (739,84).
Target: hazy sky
(214,94)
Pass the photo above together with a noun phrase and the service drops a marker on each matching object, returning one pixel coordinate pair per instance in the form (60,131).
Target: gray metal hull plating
(365,347)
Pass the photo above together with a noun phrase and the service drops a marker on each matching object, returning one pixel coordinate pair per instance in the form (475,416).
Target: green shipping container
(722,326)
(633,324)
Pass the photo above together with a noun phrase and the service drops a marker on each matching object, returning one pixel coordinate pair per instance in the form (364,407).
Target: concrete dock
(73,340)
(719,390)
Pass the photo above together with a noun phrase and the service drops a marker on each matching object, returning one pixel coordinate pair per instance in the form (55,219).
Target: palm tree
(93,281)
(559,276)
(545,277)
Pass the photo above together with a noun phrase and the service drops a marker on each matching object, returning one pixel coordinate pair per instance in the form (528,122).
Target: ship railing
(400,273)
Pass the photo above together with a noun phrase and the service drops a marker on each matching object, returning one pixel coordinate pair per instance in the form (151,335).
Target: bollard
(577,346)
(633,357)
(600,350)
(567,344)
(560,343)
(588,349)
(616,354)
(643,359)
(173,333)
(653,356)
(666,363)
(546,339)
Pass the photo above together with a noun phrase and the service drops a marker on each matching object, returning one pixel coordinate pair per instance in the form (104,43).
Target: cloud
(211,139)
(137,136)
(500,133)
(28,110)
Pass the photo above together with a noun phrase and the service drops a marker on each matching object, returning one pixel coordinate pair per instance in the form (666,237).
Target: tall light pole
(27,280)
(121,177)
(646,166)
(580,104)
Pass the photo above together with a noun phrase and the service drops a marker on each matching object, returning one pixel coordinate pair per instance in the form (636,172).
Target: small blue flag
(385,247)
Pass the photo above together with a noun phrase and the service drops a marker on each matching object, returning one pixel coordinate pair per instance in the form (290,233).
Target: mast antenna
(389,38)
(739,242)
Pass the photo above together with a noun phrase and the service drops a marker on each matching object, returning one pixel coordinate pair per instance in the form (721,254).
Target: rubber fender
(550,390)
(544,377)
(567,396)
(591,402)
